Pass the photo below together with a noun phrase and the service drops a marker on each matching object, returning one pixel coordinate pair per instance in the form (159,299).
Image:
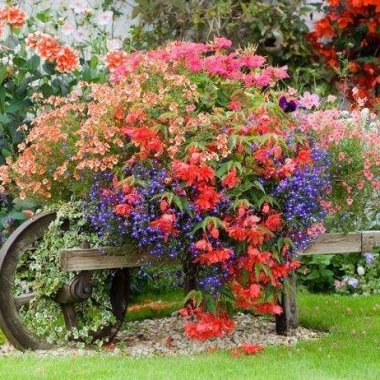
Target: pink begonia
(252,61)
(316,229)
(221,43)
(309,100)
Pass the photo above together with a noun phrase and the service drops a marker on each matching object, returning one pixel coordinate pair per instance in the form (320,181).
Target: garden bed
(165,337)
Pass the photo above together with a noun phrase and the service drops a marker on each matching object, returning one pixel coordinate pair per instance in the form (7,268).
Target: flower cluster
(47,47)
(14,16)
(351,30)
(189,153)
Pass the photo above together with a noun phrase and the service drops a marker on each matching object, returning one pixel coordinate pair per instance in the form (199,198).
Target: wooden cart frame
(85,259)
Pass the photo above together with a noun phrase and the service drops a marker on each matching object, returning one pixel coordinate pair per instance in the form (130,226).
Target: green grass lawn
(350,351)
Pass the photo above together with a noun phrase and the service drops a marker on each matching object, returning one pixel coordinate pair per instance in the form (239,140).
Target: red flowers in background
(351,29)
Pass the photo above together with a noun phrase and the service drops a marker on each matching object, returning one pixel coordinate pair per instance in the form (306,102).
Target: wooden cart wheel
(17,253)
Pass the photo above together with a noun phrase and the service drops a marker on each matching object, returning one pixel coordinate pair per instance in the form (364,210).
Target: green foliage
(43,316)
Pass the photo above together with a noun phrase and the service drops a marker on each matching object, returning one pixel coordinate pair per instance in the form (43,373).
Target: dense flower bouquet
(348,37)
(189,152)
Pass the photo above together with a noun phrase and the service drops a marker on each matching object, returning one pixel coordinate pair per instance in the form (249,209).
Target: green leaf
(19,62)
(259,186)
(194,295)
(313,275)
(3,72)
(17,215)
(2,100)
(34,63)
(210,304)
(5,153)
(17,105)
(44,16)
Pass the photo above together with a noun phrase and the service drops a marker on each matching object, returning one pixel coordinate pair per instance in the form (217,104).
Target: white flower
(68,28)
(104,18)
(78,6)
(365,114)
(360,270)
(114,44)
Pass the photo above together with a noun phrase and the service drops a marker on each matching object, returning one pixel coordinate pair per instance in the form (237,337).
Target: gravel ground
(165,337)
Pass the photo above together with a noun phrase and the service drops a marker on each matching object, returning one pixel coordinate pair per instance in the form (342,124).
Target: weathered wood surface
(78,259)
(336,243)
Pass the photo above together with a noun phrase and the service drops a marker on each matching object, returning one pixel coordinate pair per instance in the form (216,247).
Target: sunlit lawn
(350,351)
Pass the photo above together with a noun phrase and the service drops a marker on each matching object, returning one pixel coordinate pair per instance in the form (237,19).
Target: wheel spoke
(24,299)
(69,315)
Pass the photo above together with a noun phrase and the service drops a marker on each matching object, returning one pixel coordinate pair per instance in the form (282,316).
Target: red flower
(269,308)
(207,198)
(304,157)
(234,105)
(115,59)
(273,222)
(215,256)
(119,113)
(67,60)
(237,233)
(145,137)
(251,349)
(324,29)
(203,245)
(16,17)
(132,198)
(256,236)
(231,180)
(48,48)
(123,210)
(209,326)
(166,225)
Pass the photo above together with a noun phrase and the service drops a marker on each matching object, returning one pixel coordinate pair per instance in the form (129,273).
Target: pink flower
(221,43)
(309,100)
(360,185)
(349,201)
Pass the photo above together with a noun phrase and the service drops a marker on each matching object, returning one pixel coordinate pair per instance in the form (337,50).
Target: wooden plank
(78,259)
(329,244)
(370,239)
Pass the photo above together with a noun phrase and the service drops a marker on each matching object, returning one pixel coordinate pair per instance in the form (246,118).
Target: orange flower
(33,38)
(48,48)
(16,17)
(115,59)
(67,60)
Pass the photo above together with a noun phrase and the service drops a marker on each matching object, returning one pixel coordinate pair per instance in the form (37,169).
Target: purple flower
(287,106)
(353,282)
(369,258)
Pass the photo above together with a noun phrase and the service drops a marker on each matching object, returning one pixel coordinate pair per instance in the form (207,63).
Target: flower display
(14,16)
(48,48)
(190,152)
(350,33)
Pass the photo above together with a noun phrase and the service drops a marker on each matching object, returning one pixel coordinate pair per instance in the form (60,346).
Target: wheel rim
(16,293)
